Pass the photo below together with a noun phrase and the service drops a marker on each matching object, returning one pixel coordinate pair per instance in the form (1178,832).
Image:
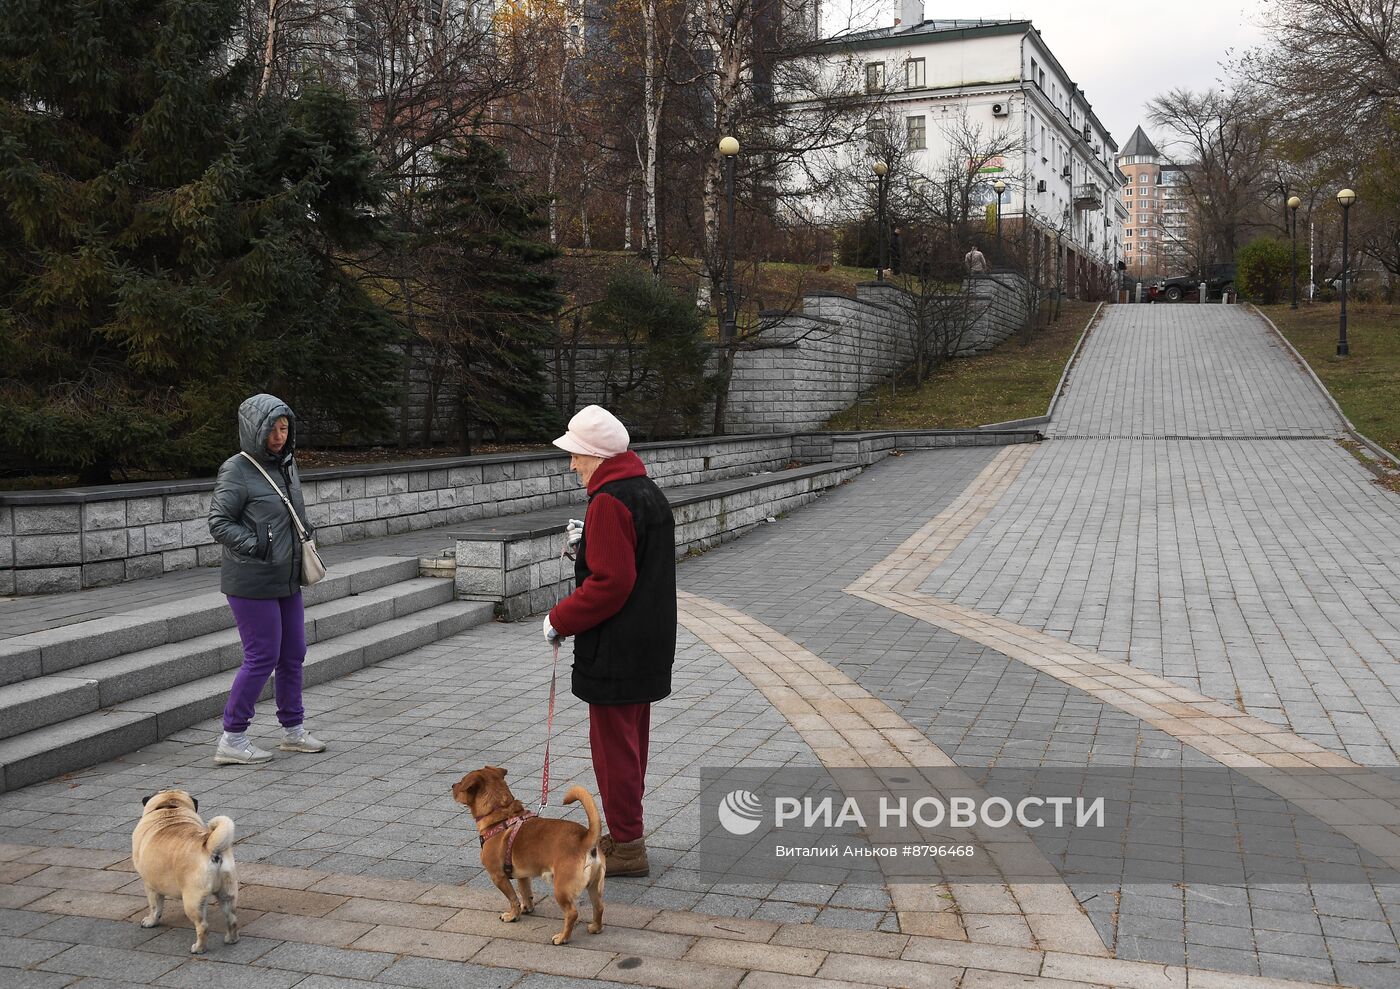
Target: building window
(1142,176)
(914,73)
(916,133)
(1128,232)
(875,134)
(874,77)
(1035,71)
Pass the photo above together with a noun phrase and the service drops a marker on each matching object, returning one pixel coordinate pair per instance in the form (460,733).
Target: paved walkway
(1137,604)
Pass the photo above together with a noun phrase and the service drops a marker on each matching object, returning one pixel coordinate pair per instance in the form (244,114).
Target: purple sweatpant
(273,631)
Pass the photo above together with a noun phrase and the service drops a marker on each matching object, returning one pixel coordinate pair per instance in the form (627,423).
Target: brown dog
(176,854)
(563,850)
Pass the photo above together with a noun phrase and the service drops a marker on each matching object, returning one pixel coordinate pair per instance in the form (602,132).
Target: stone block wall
(88,537)
(809,366)
(523,573)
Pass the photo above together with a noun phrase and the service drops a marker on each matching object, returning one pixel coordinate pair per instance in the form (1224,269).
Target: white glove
(549,634)
(573,532)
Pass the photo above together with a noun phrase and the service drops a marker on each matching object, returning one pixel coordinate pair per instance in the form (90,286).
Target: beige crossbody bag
(312,567)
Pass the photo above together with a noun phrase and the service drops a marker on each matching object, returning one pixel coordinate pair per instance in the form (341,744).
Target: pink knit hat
(595,432)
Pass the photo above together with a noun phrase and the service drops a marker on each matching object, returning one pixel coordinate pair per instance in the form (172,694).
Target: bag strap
(301,530)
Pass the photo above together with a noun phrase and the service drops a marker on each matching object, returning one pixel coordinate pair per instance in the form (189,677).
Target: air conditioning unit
(1001,110)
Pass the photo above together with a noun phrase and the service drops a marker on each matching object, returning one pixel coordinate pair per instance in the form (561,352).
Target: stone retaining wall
(809,366)
(88,537)
(523,573)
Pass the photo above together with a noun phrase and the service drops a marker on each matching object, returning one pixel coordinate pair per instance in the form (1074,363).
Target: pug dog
(516,844)
(177,854)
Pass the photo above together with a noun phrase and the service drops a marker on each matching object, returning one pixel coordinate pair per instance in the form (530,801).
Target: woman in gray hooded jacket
(261,576)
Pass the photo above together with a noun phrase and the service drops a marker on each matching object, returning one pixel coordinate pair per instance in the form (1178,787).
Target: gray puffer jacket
(262,552)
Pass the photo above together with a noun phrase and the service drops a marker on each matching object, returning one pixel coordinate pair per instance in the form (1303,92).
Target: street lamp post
(729,147)
(881,181)
(1000,187)
(1346,197)
(1293,203)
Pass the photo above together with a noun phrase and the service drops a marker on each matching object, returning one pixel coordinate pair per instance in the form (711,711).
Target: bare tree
(1222,141)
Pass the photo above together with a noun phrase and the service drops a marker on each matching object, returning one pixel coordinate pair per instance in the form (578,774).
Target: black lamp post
(1293,203)
(881,171)
(1000,187)
(729,147)
(1346,197)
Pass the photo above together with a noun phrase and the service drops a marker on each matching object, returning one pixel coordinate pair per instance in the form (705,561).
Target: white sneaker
(298,739)
(239,750)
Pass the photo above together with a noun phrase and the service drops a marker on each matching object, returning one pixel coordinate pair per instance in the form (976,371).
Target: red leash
(549,728)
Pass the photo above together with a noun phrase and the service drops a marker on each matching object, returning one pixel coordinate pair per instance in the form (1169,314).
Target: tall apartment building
(1001,76)
(1156,236)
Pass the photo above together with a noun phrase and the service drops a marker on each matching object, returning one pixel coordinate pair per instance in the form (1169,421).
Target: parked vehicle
(1219,279)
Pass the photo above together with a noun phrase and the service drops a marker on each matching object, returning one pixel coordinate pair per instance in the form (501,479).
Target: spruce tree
(168,246)
(486,268)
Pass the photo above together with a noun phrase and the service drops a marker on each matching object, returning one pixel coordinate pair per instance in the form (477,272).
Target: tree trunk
(269,46)
(653,103)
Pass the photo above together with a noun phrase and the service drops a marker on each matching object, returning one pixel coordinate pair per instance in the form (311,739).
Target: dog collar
(512,827)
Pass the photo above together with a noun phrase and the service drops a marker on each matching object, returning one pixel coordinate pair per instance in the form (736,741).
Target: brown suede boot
(625,858)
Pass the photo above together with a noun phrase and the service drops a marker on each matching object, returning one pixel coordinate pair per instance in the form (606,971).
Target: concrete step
(109,732)
(47,700)
(55,650)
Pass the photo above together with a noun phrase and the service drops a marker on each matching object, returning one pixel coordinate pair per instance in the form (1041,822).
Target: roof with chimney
(1140,145)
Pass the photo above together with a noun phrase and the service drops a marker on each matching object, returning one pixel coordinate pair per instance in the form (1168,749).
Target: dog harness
(512,828)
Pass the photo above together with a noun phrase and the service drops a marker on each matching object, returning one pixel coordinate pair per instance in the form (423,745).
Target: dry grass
(1014,381)
(1367,383)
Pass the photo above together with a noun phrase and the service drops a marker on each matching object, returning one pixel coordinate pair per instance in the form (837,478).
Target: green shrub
(656,373)
(1263,268)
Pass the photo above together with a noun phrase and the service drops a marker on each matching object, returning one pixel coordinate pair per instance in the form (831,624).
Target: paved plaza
(1188,576)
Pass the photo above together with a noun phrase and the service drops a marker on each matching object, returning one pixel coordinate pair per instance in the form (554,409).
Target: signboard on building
(989,167)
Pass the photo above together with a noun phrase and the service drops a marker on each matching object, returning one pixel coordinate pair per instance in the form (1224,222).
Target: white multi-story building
(1001,78)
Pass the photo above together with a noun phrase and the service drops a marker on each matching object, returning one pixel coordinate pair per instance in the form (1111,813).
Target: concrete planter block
(102,575)
(7,520)
(482,554)
(48,580)
(167,535)
(479,582)
(179,559)
(398,483)
(141,567)
(181,507)
(105,515)
(376,486)
(366,509)
(209,555)
(195,532)
(104,545)
(396,525)
(40,551)
(46,519)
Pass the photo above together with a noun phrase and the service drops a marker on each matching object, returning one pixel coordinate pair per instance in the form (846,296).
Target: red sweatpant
(618,736)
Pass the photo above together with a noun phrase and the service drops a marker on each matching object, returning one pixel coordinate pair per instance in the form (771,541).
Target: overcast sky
(1120,55)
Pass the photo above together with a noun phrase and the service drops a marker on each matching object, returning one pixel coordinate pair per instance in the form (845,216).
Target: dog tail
(578,794)
(220,836)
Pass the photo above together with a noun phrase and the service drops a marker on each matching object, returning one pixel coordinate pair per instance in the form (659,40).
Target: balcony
(1087,197)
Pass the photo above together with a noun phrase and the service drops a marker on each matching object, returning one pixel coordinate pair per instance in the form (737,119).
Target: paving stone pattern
(1188,371)
(985,709)
(1258,572)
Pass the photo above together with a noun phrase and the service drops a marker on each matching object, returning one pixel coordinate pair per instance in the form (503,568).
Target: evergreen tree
(167,247)
(485,265)
(657,374)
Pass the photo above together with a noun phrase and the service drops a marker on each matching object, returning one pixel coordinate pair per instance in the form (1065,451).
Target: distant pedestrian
(975,261)
(622,618)
(261,576)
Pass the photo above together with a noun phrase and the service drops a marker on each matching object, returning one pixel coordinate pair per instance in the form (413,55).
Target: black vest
(628,658)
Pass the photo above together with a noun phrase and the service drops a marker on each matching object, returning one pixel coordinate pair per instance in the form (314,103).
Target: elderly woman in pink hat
(622,618)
